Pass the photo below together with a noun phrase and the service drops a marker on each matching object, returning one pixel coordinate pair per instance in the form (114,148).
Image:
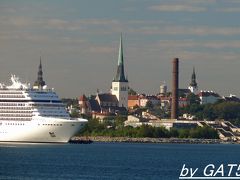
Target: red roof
(83,98)
(132,97)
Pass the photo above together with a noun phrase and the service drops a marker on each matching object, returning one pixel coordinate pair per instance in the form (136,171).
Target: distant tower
(193,87)
(83,104)
(120,83)
(163,89)
(175,79)
(39,83)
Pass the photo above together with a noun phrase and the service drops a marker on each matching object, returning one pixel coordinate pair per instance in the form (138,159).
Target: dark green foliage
(74,104)
(199,132)
(193,99)
(119,121)
(157,110)
(174,132)
(229,111)
(74,113)
(149,105)
(69,101)
(95,128)
(203,132)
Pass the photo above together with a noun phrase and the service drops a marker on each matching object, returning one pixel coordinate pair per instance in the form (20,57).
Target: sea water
(109,160)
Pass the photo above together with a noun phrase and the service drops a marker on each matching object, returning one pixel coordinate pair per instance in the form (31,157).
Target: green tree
(149,105)
(193,99)
(174,132)
(160,132)
(145,131)
(70,101)
(119,121)
(205,132)
(227,110)
(183,133)
(209,112)
(74,113)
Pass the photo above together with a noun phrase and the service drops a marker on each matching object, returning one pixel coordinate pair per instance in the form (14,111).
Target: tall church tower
(39,83)
(193,87)
(120,83)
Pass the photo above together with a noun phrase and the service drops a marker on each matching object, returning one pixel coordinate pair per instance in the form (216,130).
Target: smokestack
(174,109)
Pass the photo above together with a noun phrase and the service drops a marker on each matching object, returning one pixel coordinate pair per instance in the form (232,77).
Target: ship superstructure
(34,114)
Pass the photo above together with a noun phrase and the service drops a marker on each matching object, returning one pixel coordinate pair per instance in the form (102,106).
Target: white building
(208,97)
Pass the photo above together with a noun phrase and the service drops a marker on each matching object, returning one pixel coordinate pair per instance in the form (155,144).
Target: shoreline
(150,140)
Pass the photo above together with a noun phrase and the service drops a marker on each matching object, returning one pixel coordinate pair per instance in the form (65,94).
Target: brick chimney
(175,73)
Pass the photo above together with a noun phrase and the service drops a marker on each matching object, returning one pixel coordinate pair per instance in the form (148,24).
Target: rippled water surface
(109,160)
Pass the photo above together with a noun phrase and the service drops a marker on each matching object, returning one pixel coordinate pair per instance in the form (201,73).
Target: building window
(123,88)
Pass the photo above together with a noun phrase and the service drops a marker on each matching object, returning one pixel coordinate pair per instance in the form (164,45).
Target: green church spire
(120,76)
(120,52)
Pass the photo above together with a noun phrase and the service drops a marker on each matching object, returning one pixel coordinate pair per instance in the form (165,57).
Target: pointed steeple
(120,76)
(40,82)
(193,79)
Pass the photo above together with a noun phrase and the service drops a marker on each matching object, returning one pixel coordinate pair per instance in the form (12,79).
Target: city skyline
(78,43)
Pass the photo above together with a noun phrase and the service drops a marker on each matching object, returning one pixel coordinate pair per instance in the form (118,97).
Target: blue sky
(78,41)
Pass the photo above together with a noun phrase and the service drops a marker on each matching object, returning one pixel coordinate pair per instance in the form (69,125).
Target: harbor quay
(108,139)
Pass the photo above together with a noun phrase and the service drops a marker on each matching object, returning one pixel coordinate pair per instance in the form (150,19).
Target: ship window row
(53,112)
(48,105)
(9,92)
(12,96)
(44,92)
(14,111)
(14,124)
(52,109)
(51,124)
(15,115)
(15,119)
(12,104)
(48,100)
(45,96)
(55,115)
(17,108)
(49,111)
(47,91)
(31,100)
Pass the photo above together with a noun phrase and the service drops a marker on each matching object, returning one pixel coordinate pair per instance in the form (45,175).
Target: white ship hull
(41,130)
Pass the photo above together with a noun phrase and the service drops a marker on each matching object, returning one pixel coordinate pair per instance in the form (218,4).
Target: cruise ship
(34,113)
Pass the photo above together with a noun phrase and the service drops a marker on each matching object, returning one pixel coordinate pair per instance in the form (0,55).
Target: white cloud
(55,23)
(183,44)
(187,30)
(207,56)
(177,8)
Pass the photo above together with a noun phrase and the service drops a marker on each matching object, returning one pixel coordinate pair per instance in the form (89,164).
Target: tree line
(117,129)
(227,110)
